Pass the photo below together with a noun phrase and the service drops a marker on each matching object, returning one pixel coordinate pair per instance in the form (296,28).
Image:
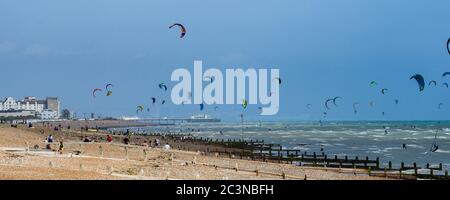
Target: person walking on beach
(126,140)
(167,146)
(404,146)
(109,138)
(47,144)
(61,147)
(50,138)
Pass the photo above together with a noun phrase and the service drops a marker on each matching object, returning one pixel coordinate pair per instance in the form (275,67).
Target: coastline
(102,160)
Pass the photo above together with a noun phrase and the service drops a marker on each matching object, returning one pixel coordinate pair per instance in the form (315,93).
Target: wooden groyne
(260,151)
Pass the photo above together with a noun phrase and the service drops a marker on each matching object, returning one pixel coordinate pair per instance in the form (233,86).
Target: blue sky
(322,48)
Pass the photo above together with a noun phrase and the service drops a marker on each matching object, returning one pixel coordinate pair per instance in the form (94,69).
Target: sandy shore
(101,160)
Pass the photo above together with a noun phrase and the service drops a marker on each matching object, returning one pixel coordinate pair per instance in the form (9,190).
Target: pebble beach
(116,161)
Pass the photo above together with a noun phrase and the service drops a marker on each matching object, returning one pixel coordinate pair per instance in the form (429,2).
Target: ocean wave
(438,137)
(324,132)
(416,146)
(388,149)
(442,151)
(379,136)
(301,148)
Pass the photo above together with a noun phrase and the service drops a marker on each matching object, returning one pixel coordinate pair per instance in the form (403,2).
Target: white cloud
(139,56)
(36,50)
(6,47)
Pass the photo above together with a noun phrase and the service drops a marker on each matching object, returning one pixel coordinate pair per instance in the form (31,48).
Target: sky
(322,48)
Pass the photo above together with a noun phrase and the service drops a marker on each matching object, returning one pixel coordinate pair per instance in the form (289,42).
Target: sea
(383,139)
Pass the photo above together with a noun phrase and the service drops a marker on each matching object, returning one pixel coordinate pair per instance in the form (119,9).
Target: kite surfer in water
(434,146)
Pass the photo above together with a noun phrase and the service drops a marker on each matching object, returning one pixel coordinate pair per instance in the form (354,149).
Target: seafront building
(48,108)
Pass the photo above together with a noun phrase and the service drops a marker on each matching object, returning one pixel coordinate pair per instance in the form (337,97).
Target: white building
(17,113)
(48,114)
(48,108)
(29,103)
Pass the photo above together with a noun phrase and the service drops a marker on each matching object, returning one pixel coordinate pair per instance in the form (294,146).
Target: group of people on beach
(49,140)
(127,139)
(156,143)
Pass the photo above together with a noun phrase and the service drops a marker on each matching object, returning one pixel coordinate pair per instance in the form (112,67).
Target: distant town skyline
(323,49)
(30,106)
